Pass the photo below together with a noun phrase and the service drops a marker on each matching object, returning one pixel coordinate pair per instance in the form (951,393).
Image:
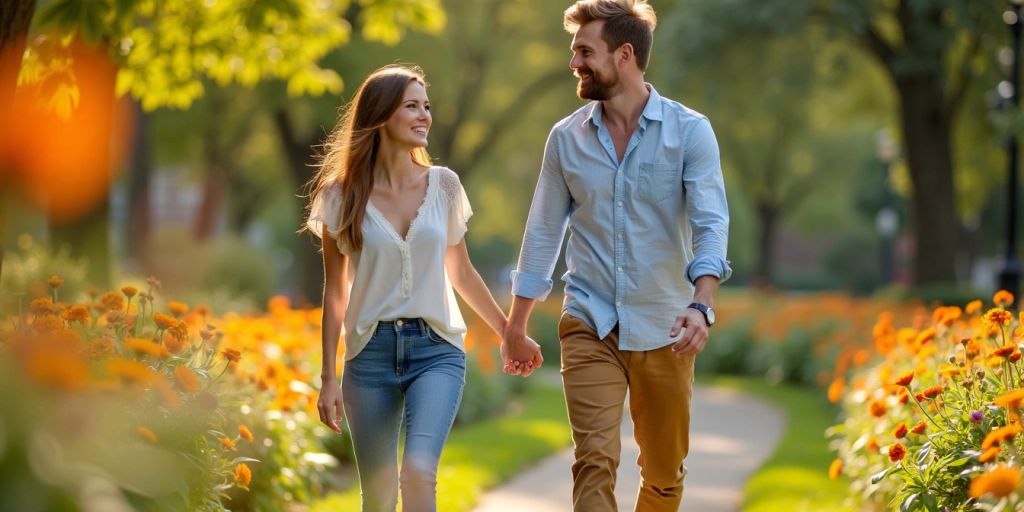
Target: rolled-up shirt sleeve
(706,205)
(545,227)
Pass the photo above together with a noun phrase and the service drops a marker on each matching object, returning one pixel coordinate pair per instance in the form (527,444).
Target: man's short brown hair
(625,21)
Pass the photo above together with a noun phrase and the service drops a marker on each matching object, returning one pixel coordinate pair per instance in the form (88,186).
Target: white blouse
(394,278)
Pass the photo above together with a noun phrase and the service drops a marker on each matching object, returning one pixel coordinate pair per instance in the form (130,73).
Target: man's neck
(624,108)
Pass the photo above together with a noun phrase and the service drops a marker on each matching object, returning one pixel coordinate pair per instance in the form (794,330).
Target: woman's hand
(329,405)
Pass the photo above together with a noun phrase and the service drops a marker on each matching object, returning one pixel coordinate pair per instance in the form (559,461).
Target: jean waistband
(403,324)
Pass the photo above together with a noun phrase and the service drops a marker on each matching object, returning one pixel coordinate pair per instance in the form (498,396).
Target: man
(637,178)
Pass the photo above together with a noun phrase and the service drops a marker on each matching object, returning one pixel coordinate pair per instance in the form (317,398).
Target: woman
(392,230)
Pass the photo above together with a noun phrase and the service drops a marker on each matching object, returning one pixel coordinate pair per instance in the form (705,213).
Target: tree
(168,51)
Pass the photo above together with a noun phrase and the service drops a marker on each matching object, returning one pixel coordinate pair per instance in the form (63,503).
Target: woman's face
(408,126)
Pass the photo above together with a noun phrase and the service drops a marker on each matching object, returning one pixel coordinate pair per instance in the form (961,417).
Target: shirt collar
(651,112)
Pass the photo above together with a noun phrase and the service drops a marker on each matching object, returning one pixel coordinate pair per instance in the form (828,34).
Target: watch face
(711,316)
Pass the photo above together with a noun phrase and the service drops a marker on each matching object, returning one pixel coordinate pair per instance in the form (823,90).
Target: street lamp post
(1009,277)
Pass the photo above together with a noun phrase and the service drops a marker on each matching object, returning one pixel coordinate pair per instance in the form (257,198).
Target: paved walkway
(731,436)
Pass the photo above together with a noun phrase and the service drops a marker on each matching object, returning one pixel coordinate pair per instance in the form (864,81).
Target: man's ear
(624,54)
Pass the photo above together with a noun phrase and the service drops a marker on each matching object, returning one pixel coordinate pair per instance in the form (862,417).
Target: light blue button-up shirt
(641,231)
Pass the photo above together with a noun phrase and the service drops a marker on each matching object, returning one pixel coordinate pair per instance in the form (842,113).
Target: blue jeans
(406,371)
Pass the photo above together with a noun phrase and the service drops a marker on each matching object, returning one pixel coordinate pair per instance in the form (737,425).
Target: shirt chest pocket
(659,181)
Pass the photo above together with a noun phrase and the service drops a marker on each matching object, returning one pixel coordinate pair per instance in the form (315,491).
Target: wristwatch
(709,314)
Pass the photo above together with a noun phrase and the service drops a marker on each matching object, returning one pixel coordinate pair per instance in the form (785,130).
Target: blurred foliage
(167,49)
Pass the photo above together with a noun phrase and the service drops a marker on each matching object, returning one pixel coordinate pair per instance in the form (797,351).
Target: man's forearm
(706,287)
(519,315)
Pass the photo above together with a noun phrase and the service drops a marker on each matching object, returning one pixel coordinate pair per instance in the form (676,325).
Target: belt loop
(423,326)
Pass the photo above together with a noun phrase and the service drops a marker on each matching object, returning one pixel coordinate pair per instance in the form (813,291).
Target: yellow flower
(1002,298)
(925,336)
(1000,482)
(146,434)
(186,379)
(227,442)
(245,433)
(243,475)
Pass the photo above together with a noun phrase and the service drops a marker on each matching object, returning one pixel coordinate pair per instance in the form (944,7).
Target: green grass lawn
(795,478)
(485,454)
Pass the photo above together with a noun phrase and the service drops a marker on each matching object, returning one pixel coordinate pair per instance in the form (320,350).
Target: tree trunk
(139,224)
(15,17)
(299,153)
(927,134)
(768,225)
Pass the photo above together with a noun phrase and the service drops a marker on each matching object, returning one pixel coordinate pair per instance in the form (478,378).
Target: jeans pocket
(432,335)
(658,181)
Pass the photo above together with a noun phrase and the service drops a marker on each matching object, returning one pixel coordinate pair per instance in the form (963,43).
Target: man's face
(594,64)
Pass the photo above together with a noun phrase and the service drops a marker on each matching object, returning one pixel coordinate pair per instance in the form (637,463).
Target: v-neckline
(391,229)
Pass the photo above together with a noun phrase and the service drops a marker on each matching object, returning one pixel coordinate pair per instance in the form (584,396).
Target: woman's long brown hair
(350,152)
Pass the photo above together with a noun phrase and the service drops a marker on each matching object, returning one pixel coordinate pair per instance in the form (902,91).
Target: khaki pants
(596,376)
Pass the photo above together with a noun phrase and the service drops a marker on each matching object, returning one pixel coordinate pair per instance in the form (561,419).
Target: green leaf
(881,475)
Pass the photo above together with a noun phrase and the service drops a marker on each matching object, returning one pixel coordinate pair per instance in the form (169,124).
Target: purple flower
(977,416)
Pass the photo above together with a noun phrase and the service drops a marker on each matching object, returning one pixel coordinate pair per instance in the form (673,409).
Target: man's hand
(691,329)
(330,405)
(520,355)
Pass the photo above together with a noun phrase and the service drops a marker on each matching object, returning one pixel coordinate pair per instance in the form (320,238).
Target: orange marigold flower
(903,396)
(177,308)
(146,434)
(186,379)
(905,379)
(878,408)
(111,301)
(1000,435)
(54,281)
(933,392)
(42,306)
(231,355)
(835,390)
(973,307)
(901,431)
(129,370)
(243,475)
(1002,298)
(164,321)
(1000,482)
(227,442)
(872,445)
(990,454)
(202,310)
(1015,356)
(48,323)
(1005,350)
(146,347)
(998,316)
(245,433)
(179,330)
(920,427)
(174,344)
(925,336)
(129,291)
(835,469)
(1011,399)
(897,452)
(77,314)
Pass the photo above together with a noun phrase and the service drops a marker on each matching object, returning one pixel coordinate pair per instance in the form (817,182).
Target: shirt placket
(619,225)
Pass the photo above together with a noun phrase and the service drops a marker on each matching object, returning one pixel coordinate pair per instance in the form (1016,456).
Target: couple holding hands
(637,180)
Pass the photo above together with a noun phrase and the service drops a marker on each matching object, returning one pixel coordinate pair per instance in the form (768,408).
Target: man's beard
(594,88)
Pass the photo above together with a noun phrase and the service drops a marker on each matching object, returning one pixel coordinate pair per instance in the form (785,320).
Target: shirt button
(620,269)
(618,304)
(620,204)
